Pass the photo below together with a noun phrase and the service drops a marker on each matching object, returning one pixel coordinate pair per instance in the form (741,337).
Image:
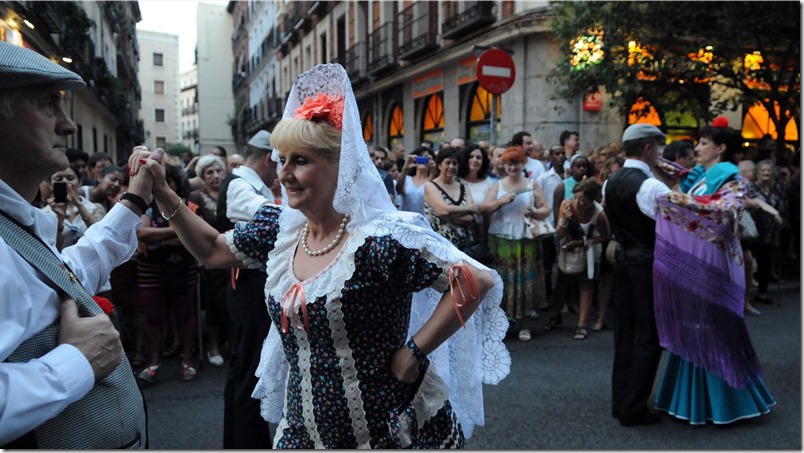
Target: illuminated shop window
(480,115)
(757,124)
(643,112)
(368,128)
(433,121)
(396,127)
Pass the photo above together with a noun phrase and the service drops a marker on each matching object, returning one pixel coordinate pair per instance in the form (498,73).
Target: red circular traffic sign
(495,71)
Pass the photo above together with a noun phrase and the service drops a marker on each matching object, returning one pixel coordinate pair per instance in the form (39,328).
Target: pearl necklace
(331,245)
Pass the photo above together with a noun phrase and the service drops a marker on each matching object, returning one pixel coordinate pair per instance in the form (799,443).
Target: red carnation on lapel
(104,303)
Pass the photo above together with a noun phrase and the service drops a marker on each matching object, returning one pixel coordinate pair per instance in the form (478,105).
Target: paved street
(556,397)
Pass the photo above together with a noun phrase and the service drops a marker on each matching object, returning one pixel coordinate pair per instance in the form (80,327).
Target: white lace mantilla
(471,357)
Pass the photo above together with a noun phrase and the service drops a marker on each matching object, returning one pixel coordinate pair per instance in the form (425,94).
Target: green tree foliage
(175,149)
(688,47)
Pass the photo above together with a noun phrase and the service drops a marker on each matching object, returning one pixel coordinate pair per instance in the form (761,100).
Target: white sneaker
(215,360)
(524,335)
(534,315)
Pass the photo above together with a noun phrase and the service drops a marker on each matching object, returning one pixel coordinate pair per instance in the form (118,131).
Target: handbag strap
(33,250)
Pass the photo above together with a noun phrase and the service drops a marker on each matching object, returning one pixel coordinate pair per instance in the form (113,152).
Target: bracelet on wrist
(136,200)
(175,211)
(414,348)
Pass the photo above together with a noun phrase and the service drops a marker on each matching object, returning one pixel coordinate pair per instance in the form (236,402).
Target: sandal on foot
(188,373)
(149,374)
(581,333)
(553,323)
(598,326)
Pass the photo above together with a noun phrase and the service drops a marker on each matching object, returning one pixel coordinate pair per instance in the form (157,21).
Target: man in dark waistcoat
(630,200)
(63,381)
(241,194)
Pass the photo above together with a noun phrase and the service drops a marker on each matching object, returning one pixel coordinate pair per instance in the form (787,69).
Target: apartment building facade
(159,76)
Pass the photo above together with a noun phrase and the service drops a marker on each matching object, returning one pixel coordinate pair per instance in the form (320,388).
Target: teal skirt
(691,393)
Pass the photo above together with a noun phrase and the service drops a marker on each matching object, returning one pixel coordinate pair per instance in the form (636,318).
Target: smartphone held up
(60,192)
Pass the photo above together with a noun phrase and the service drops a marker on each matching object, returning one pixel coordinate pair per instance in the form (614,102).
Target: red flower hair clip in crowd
(720,121)
(322,107)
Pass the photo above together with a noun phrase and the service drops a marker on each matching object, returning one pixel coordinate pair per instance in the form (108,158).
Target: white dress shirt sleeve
(104,246)
(649,191)
(242,202)
(36,391)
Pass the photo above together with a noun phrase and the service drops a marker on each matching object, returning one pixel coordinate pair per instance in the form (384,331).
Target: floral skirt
(519,263)
(691,393)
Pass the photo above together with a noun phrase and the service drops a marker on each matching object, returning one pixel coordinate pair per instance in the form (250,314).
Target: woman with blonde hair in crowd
(514,199)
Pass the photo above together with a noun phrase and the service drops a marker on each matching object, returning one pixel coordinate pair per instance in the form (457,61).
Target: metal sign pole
(493,139)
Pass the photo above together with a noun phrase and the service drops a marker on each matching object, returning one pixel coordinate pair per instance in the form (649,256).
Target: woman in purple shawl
(712,372)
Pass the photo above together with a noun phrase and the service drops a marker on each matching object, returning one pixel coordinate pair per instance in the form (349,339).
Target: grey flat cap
(20,67)
(636,131)
(261,140)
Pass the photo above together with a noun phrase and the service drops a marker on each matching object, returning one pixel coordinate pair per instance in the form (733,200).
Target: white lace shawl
(472,356)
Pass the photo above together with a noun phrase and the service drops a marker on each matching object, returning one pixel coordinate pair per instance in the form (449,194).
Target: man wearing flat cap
(631,206)
(241,194)
(63,381)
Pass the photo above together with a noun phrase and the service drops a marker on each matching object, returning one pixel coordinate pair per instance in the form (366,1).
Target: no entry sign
(495,71)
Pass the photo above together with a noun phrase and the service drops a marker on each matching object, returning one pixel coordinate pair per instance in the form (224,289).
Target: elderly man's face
(457,143)
(34,141)
(234,161)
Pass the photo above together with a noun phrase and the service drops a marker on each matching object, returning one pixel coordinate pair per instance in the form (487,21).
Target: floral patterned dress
(461,236)
(340,389)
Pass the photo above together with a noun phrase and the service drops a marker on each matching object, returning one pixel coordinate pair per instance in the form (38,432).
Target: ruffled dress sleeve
(405,269)
(251,241)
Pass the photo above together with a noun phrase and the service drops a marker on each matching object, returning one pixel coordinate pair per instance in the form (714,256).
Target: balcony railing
(51,14)
(475,15)
(354,61)
(418,25)
(318,8)
(189,110)
(382,51)
(190,134)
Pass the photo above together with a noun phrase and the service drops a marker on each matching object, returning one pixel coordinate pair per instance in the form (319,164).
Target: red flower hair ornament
(322,107)
(720,121)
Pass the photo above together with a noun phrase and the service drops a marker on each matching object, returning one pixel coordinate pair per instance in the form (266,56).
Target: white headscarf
(472,356)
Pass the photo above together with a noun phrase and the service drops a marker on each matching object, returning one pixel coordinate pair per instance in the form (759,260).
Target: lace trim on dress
(308,410)
(247,261)
(351,383)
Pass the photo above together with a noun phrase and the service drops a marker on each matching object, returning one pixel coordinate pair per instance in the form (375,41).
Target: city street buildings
(188,81)
(159,78)
(98,40)
(412,66)
(214,60)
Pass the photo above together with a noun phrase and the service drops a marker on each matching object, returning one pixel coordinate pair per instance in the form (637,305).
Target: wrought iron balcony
(382,51)
(51,14)
(474,15)
(318,8)
(418,24)
(354,61)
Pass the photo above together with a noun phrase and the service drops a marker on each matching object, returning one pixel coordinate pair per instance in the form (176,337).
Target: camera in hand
(422,160)
(60,191)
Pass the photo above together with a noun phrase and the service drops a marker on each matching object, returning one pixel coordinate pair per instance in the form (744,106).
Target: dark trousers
(763,254)
(548,259)
(636,342)
(243,426)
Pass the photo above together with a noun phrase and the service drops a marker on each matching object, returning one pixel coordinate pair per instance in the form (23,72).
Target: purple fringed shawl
(699,284)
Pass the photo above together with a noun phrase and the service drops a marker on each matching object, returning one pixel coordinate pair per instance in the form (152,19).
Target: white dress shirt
(34,392)
(549,181)
(534,168)
(650,189)
(246,194)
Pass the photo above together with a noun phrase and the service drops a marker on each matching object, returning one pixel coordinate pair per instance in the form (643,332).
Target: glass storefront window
(368,128)
(480,115)
(396,127)
(757,124)
(433,120)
